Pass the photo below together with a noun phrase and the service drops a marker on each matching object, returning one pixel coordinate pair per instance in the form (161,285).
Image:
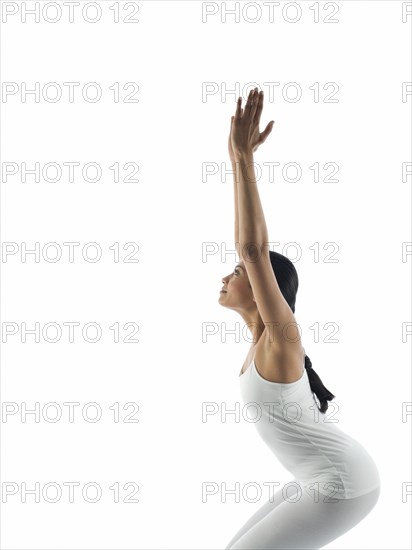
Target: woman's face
(238,290)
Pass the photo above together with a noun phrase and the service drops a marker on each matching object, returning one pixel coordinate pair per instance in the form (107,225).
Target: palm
(255,141)
(230,146)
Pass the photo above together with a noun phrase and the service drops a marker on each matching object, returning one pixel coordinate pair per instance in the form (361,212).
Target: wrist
(243,155)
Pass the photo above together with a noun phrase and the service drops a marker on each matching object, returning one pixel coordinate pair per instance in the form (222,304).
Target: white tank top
(322,457)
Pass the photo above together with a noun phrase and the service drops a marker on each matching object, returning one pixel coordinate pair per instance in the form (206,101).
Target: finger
(242,112)
(239,104)
(249,103)
(259,108)
(266,131)
(255,102)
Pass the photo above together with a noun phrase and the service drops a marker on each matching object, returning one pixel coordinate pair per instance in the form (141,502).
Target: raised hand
(245,136)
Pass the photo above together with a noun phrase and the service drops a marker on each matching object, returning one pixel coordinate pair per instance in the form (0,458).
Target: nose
(224,281)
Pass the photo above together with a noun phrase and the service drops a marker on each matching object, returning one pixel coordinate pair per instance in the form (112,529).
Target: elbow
(253,248)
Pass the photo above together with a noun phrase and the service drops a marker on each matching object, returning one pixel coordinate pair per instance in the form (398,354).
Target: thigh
(305,524)
(290,489)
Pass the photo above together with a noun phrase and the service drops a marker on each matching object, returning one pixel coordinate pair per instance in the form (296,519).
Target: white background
(189,69)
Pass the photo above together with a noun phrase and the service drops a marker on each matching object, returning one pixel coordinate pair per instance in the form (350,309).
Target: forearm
(236,206)
(251,219)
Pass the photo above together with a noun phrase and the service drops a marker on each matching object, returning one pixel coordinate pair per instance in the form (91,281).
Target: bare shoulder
(279,363)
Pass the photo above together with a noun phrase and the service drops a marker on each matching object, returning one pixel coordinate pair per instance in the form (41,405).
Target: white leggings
(284,523)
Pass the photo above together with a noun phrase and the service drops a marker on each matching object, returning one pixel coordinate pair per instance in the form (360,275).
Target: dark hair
(287,279)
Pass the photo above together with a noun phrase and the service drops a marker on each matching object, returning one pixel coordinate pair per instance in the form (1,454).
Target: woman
(335,481)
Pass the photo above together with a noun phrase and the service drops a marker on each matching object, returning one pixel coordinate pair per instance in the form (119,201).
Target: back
(308,443)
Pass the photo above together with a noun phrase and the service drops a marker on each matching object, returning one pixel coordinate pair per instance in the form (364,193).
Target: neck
(254,323)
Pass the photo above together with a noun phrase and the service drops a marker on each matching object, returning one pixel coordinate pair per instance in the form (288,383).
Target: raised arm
(235,190)
(250,222)
(253,235)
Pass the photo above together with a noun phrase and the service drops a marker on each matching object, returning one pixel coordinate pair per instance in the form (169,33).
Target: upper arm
(278,318)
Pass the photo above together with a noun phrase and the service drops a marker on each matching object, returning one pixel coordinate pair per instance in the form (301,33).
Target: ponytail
(317,387)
